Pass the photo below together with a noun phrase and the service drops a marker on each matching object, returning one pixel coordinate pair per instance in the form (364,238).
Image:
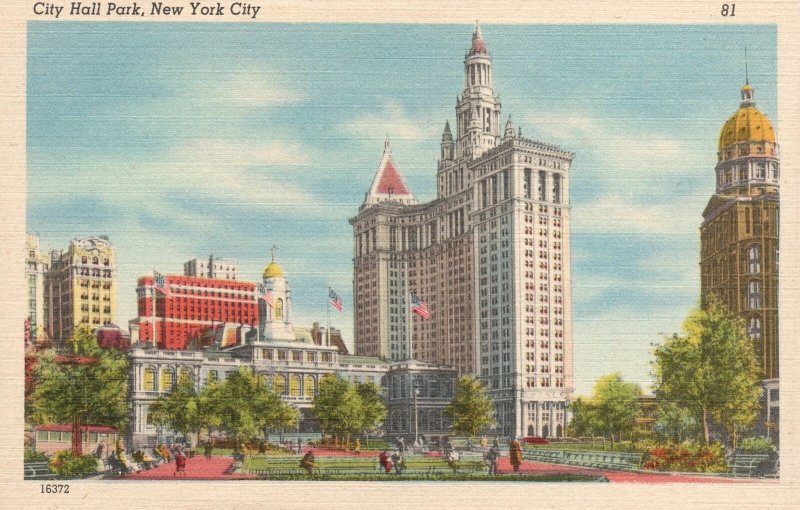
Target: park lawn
(263,462)
(446,477)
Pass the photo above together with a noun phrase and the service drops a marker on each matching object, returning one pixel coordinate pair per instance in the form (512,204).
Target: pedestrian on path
(180,464)
(491,460)
(515,454)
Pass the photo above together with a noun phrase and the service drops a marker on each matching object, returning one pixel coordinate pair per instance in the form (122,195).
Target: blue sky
(185,139)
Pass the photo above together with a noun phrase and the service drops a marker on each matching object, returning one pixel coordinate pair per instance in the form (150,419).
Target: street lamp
(416,417)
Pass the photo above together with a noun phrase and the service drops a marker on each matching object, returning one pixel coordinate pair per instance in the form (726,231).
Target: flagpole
(409,319)
(328,330)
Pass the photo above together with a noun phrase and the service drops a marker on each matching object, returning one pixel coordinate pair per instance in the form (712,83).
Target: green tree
(470,409)
(337,407)
(710,369)
(675,422)
(373,409)
(615,404)
(91,386)
(243,406)
(585,421)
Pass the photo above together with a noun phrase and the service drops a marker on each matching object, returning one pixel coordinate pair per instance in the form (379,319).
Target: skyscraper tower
(490,255)
(739,233)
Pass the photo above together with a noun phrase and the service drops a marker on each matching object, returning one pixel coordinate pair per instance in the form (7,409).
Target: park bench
(749,465)
(597,460)
(38,471)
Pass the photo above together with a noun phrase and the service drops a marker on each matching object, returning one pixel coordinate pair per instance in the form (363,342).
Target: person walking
(208,449)
(180,464)
(383,459)
(491,460)
(401,445)
(515,454)
(357,447)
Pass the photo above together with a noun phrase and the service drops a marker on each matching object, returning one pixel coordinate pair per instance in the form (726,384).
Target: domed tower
(739,233)
(276,310)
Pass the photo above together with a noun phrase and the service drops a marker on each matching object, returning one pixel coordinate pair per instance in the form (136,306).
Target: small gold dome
(747,124)
(273,270)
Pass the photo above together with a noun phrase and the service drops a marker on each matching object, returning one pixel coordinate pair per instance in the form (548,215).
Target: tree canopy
(611,411)
(470,409)
(710,370)
(95,392)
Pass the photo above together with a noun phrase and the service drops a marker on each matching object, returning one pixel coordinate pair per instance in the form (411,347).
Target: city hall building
(490,256)
(292,359)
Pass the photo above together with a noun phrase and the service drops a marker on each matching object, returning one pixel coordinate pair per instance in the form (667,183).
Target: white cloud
(395,122)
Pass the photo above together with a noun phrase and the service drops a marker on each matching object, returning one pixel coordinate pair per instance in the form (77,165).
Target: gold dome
(747,124)
(273,270)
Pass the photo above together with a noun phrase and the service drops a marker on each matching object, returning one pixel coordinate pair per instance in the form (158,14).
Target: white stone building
(490,255)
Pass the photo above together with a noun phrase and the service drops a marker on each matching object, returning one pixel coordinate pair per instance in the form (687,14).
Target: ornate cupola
(478,108)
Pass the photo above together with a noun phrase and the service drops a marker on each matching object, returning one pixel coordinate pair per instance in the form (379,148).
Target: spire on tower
(746,73)
(478,47)
(447,135)
(509,133)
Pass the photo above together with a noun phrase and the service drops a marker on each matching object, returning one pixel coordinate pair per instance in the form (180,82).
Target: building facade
(739,249)
(212,267)
(80,287)
(292,360)
(35,269)
(490,255)
(190,304)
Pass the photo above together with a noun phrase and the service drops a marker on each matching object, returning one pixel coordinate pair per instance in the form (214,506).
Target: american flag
(264,294)
(335,300)
(161,283)
(420,307)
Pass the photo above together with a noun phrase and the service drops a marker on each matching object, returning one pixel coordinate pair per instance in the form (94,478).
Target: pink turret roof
(388,185)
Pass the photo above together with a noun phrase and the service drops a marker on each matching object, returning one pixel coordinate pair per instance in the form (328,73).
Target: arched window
(294,385)
(754,328)
(279,385)
(754,294)
(278,309)
(149,382)
(309,387)
(167,379)
(754,259)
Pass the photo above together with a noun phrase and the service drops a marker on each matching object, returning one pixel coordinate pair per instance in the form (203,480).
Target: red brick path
(197,468)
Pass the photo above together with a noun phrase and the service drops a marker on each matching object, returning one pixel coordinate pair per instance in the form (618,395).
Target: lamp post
(416,417)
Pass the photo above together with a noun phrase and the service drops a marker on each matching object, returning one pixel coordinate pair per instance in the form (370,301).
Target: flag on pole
(264,294)
(420,307)
(335,300)
(161,284)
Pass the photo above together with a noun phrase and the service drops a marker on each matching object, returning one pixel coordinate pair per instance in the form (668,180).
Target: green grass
(446,477)
(360,463)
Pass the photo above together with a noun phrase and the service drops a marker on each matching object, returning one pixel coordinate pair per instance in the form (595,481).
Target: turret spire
(746,73)
(509,133)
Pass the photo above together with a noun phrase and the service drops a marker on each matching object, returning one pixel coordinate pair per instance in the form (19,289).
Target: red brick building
(191,304)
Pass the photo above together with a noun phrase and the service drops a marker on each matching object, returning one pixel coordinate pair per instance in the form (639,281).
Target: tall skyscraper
(739,233)
(490,256)
(35,268)
(80,287)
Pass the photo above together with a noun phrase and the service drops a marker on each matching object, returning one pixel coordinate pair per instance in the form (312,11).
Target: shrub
(66,465)
(32,455)
(756,445)
(687,457)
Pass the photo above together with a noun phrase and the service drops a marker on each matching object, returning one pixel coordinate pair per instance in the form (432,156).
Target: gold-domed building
(739,234)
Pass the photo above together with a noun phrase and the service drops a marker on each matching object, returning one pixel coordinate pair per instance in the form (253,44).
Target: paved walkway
(197,468)
(200,468)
